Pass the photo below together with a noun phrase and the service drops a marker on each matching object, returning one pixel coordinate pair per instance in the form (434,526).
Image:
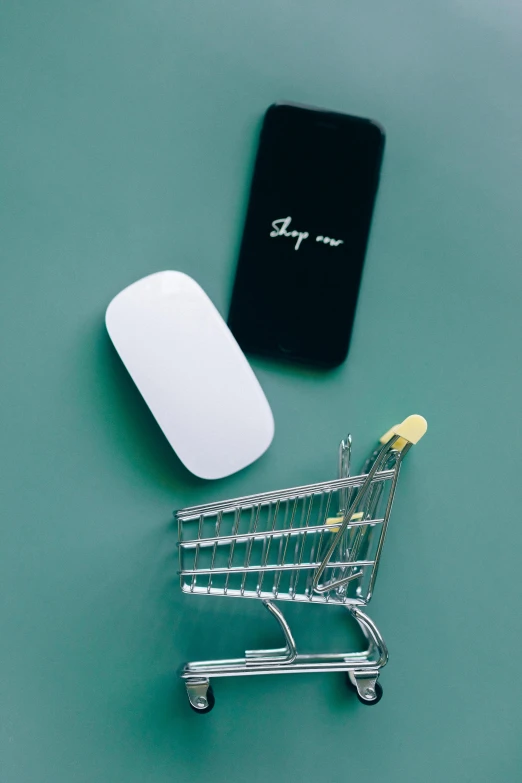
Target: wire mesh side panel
(269,547)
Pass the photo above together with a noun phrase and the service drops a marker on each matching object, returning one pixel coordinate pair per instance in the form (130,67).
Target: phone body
(307,225)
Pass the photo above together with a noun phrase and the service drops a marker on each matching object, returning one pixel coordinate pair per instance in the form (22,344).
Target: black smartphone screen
(306,231)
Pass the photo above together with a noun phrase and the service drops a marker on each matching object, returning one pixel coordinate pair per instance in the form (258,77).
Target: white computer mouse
(191,373)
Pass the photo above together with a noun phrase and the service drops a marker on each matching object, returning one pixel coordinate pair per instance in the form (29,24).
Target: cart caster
(369,692)
(200,694)
(378,696)
(211,700)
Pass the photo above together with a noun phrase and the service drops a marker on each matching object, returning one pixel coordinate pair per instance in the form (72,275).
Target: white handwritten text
(280,229)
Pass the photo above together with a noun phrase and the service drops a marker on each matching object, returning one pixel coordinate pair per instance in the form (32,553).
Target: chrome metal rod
(247,501)
(370,660)
(284,567)
(259,535)
(348,515)
(387,513)
(345,457)
(334,599)
(283,656)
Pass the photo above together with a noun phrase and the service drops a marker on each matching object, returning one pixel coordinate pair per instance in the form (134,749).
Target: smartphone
(311,202)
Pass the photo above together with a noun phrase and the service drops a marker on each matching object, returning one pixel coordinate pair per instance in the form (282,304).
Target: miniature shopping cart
(319,543)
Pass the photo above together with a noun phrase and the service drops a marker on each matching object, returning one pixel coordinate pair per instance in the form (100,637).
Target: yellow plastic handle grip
(340,517)
(411,430)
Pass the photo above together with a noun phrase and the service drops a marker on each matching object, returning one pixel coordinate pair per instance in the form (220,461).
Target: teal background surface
(128,131)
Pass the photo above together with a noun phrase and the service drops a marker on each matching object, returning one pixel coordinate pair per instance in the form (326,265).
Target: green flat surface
(127,135)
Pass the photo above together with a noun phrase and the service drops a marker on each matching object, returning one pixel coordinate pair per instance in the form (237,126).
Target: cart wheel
(211,700)
(378,696)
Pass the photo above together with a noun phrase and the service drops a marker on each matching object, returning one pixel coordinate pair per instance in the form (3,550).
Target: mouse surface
(191,373)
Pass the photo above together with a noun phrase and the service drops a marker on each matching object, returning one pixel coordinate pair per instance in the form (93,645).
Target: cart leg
(200,694)
(364,680)
(282,655)
(376,645)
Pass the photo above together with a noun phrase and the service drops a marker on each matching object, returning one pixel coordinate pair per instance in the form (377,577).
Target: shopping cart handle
(410,430)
